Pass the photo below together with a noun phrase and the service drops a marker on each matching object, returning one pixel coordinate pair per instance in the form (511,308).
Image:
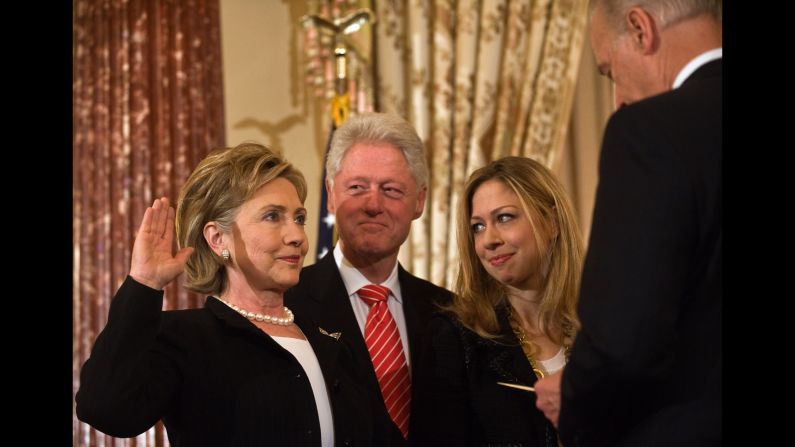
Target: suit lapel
(408,292)
(325,346)
(331,308)
(417,309)
(334,313)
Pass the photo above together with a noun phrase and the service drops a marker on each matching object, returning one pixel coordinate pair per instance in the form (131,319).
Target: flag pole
(340,106)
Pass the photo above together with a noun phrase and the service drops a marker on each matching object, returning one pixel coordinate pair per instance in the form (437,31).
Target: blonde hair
(546,205)
(219,185)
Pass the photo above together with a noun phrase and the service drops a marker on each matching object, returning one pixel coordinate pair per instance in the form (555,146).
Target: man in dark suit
(646,367)
(377,183)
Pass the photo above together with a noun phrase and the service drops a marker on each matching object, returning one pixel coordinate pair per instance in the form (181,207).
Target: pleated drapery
(148,105)
(479,79)
(482,79)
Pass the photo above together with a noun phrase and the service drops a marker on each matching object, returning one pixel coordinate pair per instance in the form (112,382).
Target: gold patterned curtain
(578,168)
(479,79)
(148,105)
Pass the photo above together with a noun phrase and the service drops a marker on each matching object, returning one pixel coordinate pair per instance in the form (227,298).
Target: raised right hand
(153,263)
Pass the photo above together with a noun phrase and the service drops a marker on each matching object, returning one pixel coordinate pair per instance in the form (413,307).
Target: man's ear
(642,29)
(214,237)
(331,205)
(420,202)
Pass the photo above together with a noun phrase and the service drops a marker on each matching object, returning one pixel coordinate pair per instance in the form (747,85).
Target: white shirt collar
(695,64)
(354,280)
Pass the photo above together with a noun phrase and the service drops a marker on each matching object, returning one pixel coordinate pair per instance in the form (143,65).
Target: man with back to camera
(645,369)
(377,178)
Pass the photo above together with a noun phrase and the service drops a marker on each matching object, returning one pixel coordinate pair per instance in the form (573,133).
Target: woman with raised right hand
(242,370)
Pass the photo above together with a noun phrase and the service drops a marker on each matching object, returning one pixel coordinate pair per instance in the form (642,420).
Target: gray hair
(666,12)
(379,128)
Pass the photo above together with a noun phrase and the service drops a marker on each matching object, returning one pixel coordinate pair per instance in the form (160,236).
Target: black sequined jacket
(464,405)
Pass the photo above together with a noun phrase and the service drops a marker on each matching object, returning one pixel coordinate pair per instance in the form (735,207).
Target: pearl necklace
(260,317)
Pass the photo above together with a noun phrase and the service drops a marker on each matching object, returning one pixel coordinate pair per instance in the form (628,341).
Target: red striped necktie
(386,351)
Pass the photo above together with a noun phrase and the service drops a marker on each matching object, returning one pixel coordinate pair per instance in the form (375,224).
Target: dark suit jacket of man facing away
(646,367)
(321,295)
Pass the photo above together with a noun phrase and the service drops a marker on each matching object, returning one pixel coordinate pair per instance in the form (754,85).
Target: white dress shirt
(696,63)
(354,280)
(302,351)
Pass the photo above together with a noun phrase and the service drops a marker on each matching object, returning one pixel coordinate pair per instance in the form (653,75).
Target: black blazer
(215,379)
(646,367)
(462,403)
(321,295)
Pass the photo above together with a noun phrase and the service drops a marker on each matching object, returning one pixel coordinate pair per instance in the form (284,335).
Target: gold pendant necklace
(527,347)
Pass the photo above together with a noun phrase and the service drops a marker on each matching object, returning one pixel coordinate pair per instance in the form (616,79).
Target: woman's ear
(214,237)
